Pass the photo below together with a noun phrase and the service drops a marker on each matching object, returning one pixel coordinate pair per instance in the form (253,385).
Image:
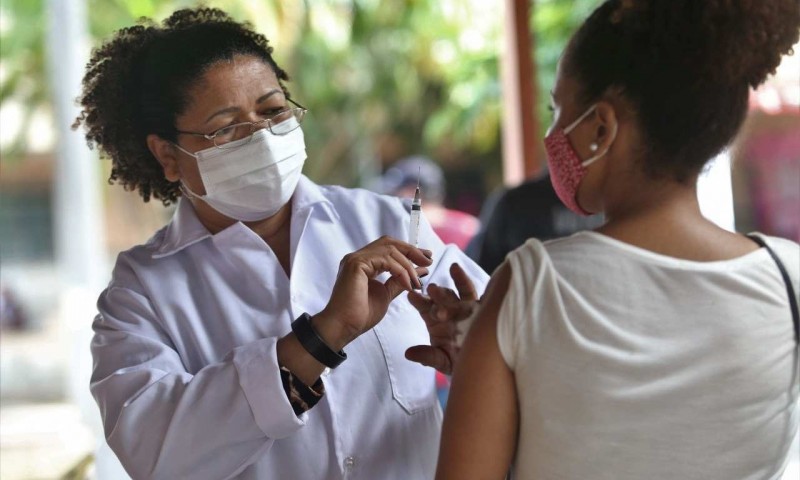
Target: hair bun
(722,40)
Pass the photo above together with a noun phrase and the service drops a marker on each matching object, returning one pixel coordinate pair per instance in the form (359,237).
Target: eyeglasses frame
(268,121)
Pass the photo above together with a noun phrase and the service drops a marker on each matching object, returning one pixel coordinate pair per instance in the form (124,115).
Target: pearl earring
(593,147)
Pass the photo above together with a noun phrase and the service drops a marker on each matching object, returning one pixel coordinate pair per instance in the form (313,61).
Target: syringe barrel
(413,231)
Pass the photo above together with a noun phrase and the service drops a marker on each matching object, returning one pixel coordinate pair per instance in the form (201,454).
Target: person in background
(543,216)
(400,180)
(256,335)
(12,313)
(658,345)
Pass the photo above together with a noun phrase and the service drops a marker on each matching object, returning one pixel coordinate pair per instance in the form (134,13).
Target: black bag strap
(787,281)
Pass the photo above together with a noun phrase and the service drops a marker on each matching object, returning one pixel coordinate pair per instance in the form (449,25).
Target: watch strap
(314,344)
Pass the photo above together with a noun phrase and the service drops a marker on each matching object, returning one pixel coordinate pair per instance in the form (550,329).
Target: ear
(606,125)
(167,156)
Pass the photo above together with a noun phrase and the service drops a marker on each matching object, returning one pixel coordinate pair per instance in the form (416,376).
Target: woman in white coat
(255,335)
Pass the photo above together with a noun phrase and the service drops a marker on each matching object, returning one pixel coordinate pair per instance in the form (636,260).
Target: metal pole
(79,238)
(79,215)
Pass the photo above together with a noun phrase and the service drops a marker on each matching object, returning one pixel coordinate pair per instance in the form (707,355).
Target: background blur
(382,79)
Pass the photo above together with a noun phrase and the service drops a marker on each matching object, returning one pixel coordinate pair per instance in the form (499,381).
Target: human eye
(226,133)
(273,111)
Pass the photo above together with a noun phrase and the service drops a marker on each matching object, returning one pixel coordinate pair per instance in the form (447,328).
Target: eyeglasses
(279,124)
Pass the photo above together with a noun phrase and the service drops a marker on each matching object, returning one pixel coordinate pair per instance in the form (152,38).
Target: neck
(274,226)
(665,217)
(657,200)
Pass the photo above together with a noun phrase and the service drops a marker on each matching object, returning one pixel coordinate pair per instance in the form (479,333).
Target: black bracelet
(314,345)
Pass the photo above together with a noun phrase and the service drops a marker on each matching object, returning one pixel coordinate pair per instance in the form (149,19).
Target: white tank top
(634,365)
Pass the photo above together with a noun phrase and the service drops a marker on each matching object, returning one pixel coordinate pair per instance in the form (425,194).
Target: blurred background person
(12,312)
(512,216)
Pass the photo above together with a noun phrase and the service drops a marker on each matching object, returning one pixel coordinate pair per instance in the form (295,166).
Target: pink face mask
(566,167)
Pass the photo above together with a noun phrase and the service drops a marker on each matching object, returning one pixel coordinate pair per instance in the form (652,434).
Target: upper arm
(480,426)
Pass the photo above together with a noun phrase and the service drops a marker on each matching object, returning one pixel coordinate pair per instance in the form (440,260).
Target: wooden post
(520,124)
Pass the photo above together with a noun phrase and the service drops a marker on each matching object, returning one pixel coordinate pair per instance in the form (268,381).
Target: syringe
(416,210)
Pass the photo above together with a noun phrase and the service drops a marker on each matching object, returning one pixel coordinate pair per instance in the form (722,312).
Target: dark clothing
(531,209)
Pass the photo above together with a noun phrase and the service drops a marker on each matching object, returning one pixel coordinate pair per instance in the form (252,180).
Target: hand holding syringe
(441,308)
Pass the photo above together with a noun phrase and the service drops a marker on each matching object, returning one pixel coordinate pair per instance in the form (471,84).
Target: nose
(258,124)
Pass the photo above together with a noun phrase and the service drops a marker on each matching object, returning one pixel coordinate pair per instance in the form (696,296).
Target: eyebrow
(236,109)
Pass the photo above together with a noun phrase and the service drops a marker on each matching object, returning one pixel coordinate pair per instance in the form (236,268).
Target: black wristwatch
(314,344)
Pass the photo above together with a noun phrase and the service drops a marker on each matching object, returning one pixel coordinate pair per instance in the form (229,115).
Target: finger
(443,300)
(400,281)
(406,263)
(440,331)
(440,314)
(443,296)
(450,315)
(399,284)
(430,357)
(447,305)
(422,272)
(417,255)
(419,301)
(396,270)
(394,286)
(466,290)
(457,313)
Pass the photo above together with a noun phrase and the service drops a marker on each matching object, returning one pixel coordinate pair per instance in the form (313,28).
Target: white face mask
(253,180)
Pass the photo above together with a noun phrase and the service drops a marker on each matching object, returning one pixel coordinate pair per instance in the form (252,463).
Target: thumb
(394,287)
(430,357)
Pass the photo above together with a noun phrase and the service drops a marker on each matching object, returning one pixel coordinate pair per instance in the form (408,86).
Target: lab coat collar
(185,228)
(308,194)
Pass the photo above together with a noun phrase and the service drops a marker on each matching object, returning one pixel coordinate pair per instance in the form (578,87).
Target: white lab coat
(185,368)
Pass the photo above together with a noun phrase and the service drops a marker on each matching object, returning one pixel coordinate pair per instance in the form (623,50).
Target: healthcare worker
(263,332)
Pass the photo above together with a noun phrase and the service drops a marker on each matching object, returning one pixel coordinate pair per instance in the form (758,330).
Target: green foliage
(553,22)
(381,78)
(386,79)
(22,42)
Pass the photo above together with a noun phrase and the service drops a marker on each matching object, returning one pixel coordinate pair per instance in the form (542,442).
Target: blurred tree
(22,68)
(386,79)
(553,22)
(381,78)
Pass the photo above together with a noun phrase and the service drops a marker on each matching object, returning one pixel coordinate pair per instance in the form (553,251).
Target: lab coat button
(349,463)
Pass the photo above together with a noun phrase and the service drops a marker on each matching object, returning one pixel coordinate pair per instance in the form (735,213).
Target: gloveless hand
(442,310)
(359,301)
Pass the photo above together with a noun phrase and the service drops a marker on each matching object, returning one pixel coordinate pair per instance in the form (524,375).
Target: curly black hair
(136,84)
(685,66)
